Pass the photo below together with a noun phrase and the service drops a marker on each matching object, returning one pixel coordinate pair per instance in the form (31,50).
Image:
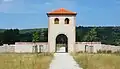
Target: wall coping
(88,43)
(31,43)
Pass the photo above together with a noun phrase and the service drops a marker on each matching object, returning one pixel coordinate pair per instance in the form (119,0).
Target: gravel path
(63,61)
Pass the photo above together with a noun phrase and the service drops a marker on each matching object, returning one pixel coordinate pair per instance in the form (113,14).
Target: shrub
(99,51)
(117,52)
(104,51)
(108,51)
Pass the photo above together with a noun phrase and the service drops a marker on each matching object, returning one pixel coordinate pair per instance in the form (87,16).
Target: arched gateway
(61,30)
(61,43)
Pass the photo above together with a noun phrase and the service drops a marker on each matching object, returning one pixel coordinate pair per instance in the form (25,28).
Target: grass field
(98,61)
(25,61)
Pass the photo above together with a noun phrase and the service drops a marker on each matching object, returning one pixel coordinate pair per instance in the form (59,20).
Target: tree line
(106,35)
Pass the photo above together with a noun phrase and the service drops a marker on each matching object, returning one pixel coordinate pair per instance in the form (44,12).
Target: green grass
(98,61)
(25,61)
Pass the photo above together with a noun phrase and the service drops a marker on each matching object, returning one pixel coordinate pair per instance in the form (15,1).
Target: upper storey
(61,11)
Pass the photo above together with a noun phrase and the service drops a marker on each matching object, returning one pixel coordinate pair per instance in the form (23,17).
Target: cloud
(48,3)
(5,5)
(28,6)
(8,6)
(7,0)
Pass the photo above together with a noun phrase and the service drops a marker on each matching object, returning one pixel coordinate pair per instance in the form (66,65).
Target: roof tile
(61,11)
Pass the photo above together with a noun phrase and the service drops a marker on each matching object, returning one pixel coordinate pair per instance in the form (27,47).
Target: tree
(91,35)
(42,35)
(1,38)
(116,37)
(78,34)
(16,35)
(35,39)
(105,34)
(10,36)
(46,35)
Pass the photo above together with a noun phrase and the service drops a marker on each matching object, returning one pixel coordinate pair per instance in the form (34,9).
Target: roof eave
(61,14)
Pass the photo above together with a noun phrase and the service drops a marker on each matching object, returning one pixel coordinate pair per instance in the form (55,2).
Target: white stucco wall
(80,46)
(7,48)
(44,47)
(55,29)
(110,47)
(28,46)
(23,48)
(97,47)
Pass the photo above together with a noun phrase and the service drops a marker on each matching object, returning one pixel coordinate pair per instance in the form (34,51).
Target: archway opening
(67,21)
(61,43)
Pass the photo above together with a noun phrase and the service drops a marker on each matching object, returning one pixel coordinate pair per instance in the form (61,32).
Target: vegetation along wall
(106,35)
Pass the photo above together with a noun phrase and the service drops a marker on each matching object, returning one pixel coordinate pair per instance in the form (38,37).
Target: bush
(117,52)
(108,51)
(104,51)
(99,51)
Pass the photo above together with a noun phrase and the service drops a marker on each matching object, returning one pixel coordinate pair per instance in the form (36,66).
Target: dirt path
(63,61)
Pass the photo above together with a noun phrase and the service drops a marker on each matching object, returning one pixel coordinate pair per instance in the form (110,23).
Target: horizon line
(76,26)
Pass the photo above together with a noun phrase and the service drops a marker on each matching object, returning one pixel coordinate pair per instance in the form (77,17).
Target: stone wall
(7,48)
(110,47)
(87,46)
(30,46)
(25,47)
(20,47)
(94,47)
(43,46)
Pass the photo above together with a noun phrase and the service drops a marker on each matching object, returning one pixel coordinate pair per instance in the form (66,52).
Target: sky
(27,14)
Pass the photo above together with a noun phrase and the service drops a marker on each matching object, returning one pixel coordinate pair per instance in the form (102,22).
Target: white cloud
(8,6)
(7,0)
(18,6)
(48,3)
(5,5)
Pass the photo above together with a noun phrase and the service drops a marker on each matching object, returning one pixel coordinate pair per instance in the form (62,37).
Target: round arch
(67,20)
(56,21)
(61,43)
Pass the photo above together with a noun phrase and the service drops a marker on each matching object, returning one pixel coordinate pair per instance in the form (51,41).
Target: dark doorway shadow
(61,44)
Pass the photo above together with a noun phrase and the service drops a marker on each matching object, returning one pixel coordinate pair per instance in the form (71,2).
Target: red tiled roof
(61,11)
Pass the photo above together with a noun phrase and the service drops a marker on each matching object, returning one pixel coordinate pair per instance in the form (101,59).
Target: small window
(56,21)
(66,21)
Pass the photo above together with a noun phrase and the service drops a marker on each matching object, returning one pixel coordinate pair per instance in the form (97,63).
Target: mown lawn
(98,61)
(25,61)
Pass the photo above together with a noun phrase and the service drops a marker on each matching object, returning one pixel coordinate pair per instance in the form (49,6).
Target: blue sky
(24,14)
